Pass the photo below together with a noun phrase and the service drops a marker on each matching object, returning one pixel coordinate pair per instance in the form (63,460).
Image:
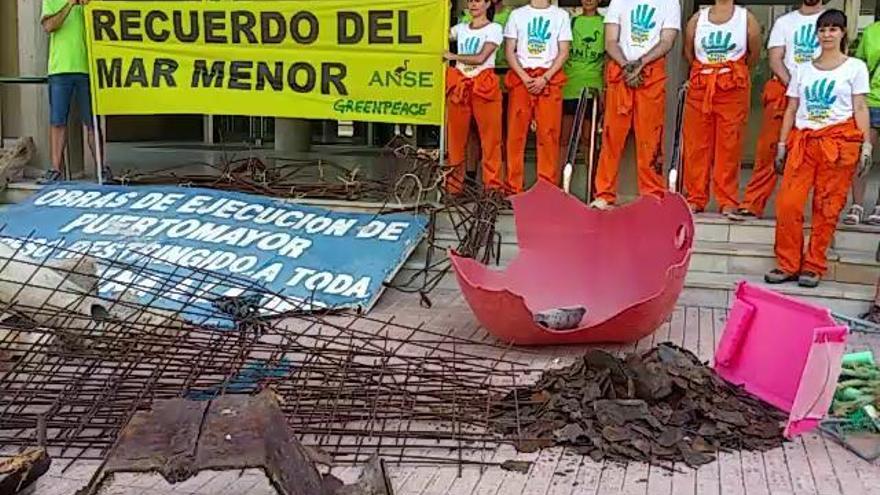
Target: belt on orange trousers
(460,88)
(732,74)
(845,131)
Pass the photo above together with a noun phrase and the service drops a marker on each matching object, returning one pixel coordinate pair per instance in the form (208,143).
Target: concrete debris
(179,438)
(660,406)
(21,471)
(521,467)
(561,318)
(374,480)
(69,285)
(14,159)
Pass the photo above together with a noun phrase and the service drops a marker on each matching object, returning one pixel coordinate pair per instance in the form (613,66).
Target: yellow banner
(330,59)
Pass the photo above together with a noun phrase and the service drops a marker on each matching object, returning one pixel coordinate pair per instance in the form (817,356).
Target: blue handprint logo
(538,35)
(820,97)
(642,22)
(717,46)
(805,43)
(469,46)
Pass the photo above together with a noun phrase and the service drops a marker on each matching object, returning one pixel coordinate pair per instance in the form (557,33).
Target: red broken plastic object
(625,266)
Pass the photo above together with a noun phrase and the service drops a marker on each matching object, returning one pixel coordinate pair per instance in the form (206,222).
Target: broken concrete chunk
(517,466)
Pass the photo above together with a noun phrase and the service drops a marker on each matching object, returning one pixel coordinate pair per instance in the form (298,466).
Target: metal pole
(99,148)
(442,148)
(591,158)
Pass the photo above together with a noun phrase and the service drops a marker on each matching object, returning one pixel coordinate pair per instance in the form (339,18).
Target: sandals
(854,215)
(874,217)
(777,276)
(601,204)
(741,215)
(51,176)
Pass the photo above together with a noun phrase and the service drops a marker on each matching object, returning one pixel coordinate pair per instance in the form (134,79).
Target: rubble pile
(662,406)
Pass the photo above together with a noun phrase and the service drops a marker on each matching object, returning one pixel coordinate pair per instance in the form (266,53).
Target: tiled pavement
(809,465)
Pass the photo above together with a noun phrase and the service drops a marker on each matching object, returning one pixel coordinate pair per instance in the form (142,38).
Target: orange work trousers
(478,97)
(546,110)
(715,114)
(642,108)
(823,160)
(763,179)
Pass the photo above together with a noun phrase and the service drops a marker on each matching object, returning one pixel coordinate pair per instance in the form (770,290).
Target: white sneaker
(601,204)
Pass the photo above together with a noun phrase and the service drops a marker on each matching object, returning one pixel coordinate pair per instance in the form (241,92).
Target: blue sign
(299,257)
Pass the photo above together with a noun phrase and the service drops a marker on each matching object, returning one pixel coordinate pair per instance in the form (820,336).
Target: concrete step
(716,289)
(716,228)
(857,267)
(745,258)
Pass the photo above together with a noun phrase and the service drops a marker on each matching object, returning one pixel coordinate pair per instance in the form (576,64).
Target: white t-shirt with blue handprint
(640,23)
(825,96)
(720,43)
(470,42)
(537,33)
(797,34)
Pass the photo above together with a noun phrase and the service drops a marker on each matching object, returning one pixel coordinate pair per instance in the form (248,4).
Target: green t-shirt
(67,45)
(586,60)
(869,51)
(501,17)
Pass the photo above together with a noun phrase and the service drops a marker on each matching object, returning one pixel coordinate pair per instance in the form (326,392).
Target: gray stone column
(33,54)
(293,135)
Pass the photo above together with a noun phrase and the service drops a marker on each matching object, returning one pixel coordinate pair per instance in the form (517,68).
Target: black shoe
(777,276)
(741,215)
(51,176)
(809,279)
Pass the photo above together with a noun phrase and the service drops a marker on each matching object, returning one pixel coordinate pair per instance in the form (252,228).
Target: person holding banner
(538,38)
(68,77)
(638,35)
(824,141)
(472,90)
(499,14)
(584,68)
(721,43)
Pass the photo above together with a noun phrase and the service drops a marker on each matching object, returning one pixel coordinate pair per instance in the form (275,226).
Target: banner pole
(99,148)
(442,150)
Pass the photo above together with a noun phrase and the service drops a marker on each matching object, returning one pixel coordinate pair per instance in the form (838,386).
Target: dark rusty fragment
(660,406)
(179,438)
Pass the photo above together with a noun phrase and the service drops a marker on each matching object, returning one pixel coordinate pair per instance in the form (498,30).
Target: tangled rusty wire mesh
(408,178)
(83,363)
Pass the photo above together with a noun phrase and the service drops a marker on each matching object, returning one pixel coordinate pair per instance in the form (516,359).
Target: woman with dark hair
(473,91)
(824,141)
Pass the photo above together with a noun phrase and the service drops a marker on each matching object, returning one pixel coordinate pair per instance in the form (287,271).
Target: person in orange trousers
(721,43)
(638,35)
(473,91)
(792,44)
(823,142)
(538,39)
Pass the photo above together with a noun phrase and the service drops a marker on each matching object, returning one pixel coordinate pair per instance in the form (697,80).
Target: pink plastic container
(626,267)
(783,350)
